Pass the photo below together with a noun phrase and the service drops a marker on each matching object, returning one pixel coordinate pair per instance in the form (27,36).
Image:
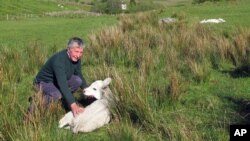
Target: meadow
(182,81)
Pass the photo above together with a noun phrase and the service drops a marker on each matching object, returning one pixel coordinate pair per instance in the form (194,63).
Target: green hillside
(17,7)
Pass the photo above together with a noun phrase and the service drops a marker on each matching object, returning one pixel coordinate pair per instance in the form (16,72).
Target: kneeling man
(61,76)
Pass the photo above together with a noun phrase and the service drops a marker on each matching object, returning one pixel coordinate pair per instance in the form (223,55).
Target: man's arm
(63,86)
(78,72)
(59,71)
(61,81)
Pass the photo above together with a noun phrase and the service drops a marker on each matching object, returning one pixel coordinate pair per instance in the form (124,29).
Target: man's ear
(106,82)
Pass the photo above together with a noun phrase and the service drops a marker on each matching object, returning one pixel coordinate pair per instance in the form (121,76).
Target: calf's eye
(94,89)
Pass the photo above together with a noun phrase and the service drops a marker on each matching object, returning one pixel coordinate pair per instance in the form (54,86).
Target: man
(61,75)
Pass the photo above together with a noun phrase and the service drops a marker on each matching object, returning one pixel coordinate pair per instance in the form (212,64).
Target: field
(180,81)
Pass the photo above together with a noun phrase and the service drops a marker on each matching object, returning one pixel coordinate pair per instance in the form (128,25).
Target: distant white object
(61,6)
(167,20)
(124,6)
(219,20)
(95,115)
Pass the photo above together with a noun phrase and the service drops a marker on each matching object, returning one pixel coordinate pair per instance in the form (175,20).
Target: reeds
(16,64)
(242,46)
(160,60)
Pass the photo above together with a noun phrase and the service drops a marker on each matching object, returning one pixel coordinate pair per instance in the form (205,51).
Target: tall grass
(193,47)
(163,59)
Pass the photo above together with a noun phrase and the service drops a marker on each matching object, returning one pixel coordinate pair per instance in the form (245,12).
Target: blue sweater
(58,69)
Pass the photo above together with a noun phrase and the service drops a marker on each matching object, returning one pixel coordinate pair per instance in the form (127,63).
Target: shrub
(114,6)
(142,6)
(107,6)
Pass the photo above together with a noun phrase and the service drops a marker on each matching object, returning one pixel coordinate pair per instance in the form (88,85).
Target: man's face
(75,53)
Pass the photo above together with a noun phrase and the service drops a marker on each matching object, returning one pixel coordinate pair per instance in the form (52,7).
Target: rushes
(199,71)
(242,46)
(1,73)
(1,136)
(16,62)
(159,59)
(125,132)
(39,109)
(126,23)
(41,119)
(176,51)
(175,86)
(37,55)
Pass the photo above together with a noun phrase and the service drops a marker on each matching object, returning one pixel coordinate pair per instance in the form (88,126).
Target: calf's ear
(106,82)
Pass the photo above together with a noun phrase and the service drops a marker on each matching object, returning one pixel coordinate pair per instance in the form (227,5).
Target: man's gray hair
(76,40)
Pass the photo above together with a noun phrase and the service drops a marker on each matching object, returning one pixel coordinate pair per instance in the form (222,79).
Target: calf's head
(96,88)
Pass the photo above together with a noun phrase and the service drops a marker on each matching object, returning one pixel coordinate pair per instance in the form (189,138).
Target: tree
(132,2)
(113,6)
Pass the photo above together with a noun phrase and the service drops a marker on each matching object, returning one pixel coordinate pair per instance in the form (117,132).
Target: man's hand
(76,109)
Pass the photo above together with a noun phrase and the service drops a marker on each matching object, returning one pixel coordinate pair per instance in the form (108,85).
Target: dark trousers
(51,92)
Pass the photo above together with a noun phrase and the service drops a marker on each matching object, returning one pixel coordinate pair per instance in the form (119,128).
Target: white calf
(219,20)
(95,115)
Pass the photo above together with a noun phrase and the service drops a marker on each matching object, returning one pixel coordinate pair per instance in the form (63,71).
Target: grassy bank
(234,12)
(26,9)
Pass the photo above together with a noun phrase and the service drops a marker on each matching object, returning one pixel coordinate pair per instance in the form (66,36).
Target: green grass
(162,74)
(233,12)
(49,31)
(34,7)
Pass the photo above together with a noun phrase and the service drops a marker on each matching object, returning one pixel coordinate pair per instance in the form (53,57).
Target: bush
(107,6)
(114,6)
(142,6)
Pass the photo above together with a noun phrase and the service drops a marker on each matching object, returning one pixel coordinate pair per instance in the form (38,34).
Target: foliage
(114,6)
(145,5)
(107,6)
